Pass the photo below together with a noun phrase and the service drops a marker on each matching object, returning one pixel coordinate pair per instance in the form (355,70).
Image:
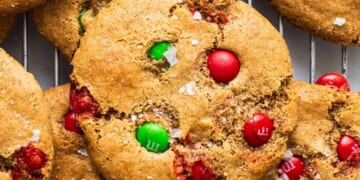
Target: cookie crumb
(36,135)
(197,16)
(195,42)
(83,152)
(339,21)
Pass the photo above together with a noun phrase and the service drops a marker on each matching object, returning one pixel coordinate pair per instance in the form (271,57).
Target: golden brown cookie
(154,117)
(18,6)
(26,150)
(71,158)
(335,21)
(6,23)
(326,139)
(63,22)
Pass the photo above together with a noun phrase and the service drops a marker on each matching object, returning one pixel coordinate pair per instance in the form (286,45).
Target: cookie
(71,158)
(6,23)
(335,21)
(325,143)
(26,150)
(17,6)
(183,90)
(63,22)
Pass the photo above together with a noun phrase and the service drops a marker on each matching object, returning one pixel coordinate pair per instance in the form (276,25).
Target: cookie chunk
(63,22)
(6,23)
(325,144)
(18,6)
(71,158)
(183,90)
(335,21)
(26,150)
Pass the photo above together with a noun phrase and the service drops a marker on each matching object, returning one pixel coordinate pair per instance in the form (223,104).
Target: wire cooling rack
(311,56)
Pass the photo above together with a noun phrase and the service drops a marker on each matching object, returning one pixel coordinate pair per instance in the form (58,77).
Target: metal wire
(56,67)
(344,60)
(312,60)
(25,41)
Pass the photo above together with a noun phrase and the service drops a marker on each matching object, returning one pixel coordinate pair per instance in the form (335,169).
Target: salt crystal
(83,152)
(209,144)
(170,56)
(175,133)
(195,42)
(197,16)
(288,155)
(133,117)
(182,89)
(317,176)
(189,88)
(327,152)
(149,177)
(180,1)
(224,119)
(339,21)
(36,135)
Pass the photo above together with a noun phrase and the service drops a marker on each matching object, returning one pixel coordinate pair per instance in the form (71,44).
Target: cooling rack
(311,56)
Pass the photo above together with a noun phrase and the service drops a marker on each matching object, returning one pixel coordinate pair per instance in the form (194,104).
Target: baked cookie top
(26,149)
(63,22)
(17,6)
(71,158)
(143,79)
(335,21)
(6,23)
(326,139)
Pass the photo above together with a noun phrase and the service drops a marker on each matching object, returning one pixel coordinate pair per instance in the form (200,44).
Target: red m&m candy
(223,65)
(292,168)
(258,130)
(200,172)
(334,80)
(347,147)
(71,124)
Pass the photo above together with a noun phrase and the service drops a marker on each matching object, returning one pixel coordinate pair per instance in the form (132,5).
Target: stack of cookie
(172,89)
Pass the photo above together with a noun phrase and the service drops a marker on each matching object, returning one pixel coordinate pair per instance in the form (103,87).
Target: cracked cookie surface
(26,149)
(63,22)
(335,21)
(71,158)
(18,6)
(122,91)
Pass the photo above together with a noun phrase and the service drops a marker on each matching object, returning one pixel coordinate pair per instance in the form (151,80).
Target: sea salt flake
(317,176)
(288,155)
(133,117)
(182,89)
(209,144)
(175,133)
(339,21)
(189,88)
(180,1)
(197,15)
(170,56)
(36,135)
(195,42)
(149,177)
(82,152)
(327,152)
(224,119)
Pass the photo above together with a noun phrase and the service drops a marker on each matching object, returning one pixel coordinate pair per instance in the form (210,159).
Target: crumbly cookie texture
(63,22)
(26,149)
(71,158)
(6,23)
(335,21)
(18,6)
(122,91)
(326,115)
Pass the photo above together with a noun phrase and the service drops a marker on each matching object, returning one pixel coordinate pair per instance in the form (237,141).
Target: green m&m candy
(79,19)
(153,137)
(158,49)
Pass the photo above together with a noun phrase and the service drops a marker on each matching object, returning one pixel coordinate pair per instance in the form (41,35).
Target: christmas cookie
(325,144)
(336,21)
(63,22)
(18,6)
(71,158)
(183,90)
(26,150)
(6,23)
